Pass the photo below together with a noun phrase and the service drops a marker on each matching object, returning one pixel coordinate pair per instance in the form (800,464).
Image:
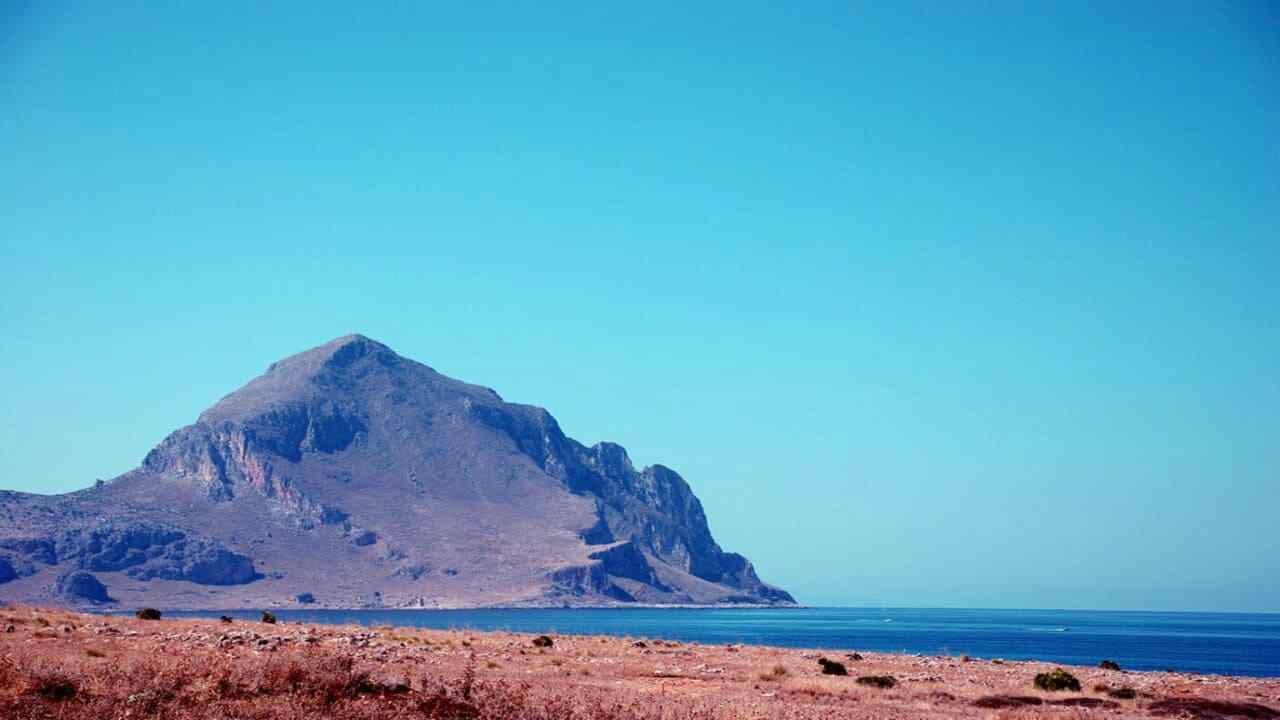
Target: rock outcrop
(375,480)
(139,550)
(80,586)
(146,552)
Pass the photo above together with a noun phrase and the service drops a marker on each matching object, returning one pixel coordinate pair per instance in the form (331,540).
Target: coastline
(110,654)
(1191,643)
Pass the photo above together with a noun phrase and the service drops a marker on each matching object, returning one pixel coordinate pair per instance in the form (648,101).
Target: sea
(1214,643)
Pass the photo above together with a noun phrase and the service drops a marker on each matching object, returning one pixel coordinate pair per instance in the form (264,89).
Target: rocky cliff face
(355,477)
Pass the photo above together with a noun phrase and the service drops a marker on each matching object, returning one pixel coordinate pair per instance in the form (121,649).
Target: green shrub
(831,667)
(1109,665)
(148,614)
(1119,693)
(777,673)
(54,687)
(883,682)
(1057,680)
(1122,693)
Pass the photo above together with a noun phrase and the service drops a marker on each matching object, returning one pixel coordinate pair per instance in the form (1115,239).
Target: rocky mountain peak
(357,476)
(338,354)
(337,368)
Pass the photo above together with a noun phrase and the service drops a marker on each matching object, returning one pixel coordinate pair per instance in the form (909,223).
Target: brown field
(68,666)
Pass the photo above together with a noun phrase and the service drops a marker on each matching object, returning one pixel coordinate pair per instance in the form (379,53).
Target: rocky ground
(58,664)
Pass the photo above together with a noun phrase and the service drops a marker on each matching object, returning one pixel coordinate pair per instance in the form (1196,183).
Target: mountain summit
(349,476)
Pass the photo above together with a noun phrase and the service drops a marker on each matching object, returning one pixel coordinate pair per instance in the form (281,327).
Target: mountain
(349,476)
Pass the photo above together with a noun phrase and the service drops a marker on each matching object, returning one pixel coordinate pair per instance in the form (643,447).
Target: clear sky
(959,304)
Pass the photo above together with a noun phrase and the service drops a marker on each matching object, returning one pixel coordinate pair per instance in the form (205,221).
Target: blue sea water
(1225,643)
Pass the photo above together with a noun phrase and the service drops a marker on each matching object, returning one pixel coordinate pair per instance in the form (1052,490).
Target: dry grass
(778,672)
(192,670)
(304,684)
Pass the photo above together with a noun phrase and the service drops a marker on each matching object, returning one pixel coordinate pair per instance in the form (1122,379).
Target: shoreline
(643,674)
(1069,644)
(659,606)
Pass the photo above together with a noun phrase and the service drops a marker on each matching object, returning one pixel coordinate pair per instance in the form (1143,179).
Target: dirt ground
(58,664)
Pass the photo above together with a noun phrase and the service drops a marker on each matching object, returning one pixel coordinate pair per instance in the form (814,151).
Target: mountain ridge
(360,478)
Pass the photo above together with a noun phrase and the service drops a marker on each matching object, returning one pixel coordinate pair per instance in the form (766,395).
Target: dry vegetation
(68,666)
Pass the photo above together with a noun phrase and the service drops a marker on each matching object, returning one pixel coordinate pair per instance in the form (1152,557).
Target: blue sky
(959,304)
